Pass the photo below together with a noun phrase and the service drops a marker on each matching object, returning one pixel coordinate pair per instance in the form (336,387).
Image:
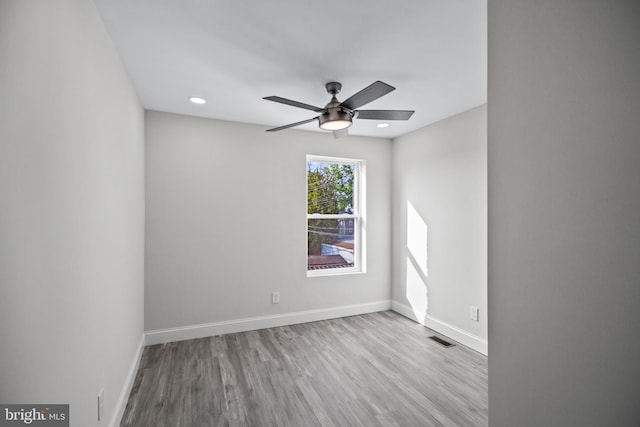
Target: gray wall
(440,225)
(564,213)
(226,221)
(72,214)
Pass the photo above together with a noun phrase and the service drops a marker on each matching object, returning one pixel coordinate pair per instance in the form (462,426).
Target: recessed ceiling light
(197,100)
(383,125)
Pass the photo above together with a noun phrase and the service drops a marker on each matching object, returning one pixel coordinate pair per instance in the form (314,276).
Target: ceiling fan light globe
(335,125)
(335,119)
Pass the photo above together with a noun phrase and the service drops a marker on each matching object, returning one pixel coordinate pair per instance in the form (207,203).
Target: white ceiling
(234,52)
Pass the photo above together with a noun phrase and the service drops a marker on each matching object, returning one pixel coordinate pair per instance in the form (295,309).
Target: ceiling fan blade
(340,133)
(385,114)
(293,103)
(292,125)
(368,94)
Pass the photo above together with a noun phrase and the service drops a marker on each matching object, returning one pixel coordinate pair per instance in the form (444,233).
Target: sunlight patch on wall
(417,272)
(417,238)
(416,289)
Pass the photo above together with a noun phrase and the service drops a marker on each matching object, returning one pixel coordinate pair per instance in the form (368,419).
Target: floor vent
(441,341)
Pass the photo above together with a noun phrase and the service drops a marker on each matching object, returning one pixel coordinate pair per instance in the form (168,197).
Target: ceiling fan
(338,116)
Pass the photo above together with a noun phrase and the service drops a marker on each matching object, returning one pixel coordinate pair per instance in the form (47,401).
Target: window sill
(334,272)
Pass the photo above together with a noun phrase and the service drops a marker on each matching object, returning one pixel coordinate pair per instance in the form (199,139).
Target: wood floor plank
(377,369)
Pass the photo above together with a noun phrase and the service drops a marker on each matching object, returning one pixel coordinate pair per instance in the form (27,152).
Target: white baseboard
(161,336)
(123,398)
(463,337)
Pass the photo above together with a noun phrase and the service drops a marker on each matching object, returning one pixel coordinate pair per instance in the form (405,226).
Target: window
(334,215)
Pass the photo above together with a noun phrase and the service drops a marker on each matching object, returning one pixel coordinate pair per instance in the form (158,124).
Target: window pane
(330,243)
(330,187)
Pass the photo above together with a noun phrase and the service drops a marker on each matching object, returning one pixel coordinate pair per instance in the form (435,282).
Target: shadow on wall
(417,272)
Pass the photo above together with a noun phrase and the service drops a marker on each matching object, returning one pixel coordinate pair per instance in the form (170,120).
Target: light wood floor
(376,369)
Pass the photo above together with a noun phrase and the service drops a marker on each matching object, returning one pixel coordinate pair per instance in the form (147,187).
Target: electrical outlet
(100,404)
(473,314)
(275,297)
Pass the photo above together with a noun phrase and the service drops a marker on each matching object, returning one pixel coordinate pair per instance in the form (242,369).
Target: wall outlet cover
(473,314)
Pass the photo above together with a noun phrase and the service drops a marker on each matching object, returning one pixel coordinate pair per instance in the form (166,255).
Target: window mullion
(331,216)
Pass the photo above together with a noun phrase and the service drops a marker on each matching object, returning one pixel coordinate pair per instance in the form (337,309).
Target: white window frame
(358,216)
